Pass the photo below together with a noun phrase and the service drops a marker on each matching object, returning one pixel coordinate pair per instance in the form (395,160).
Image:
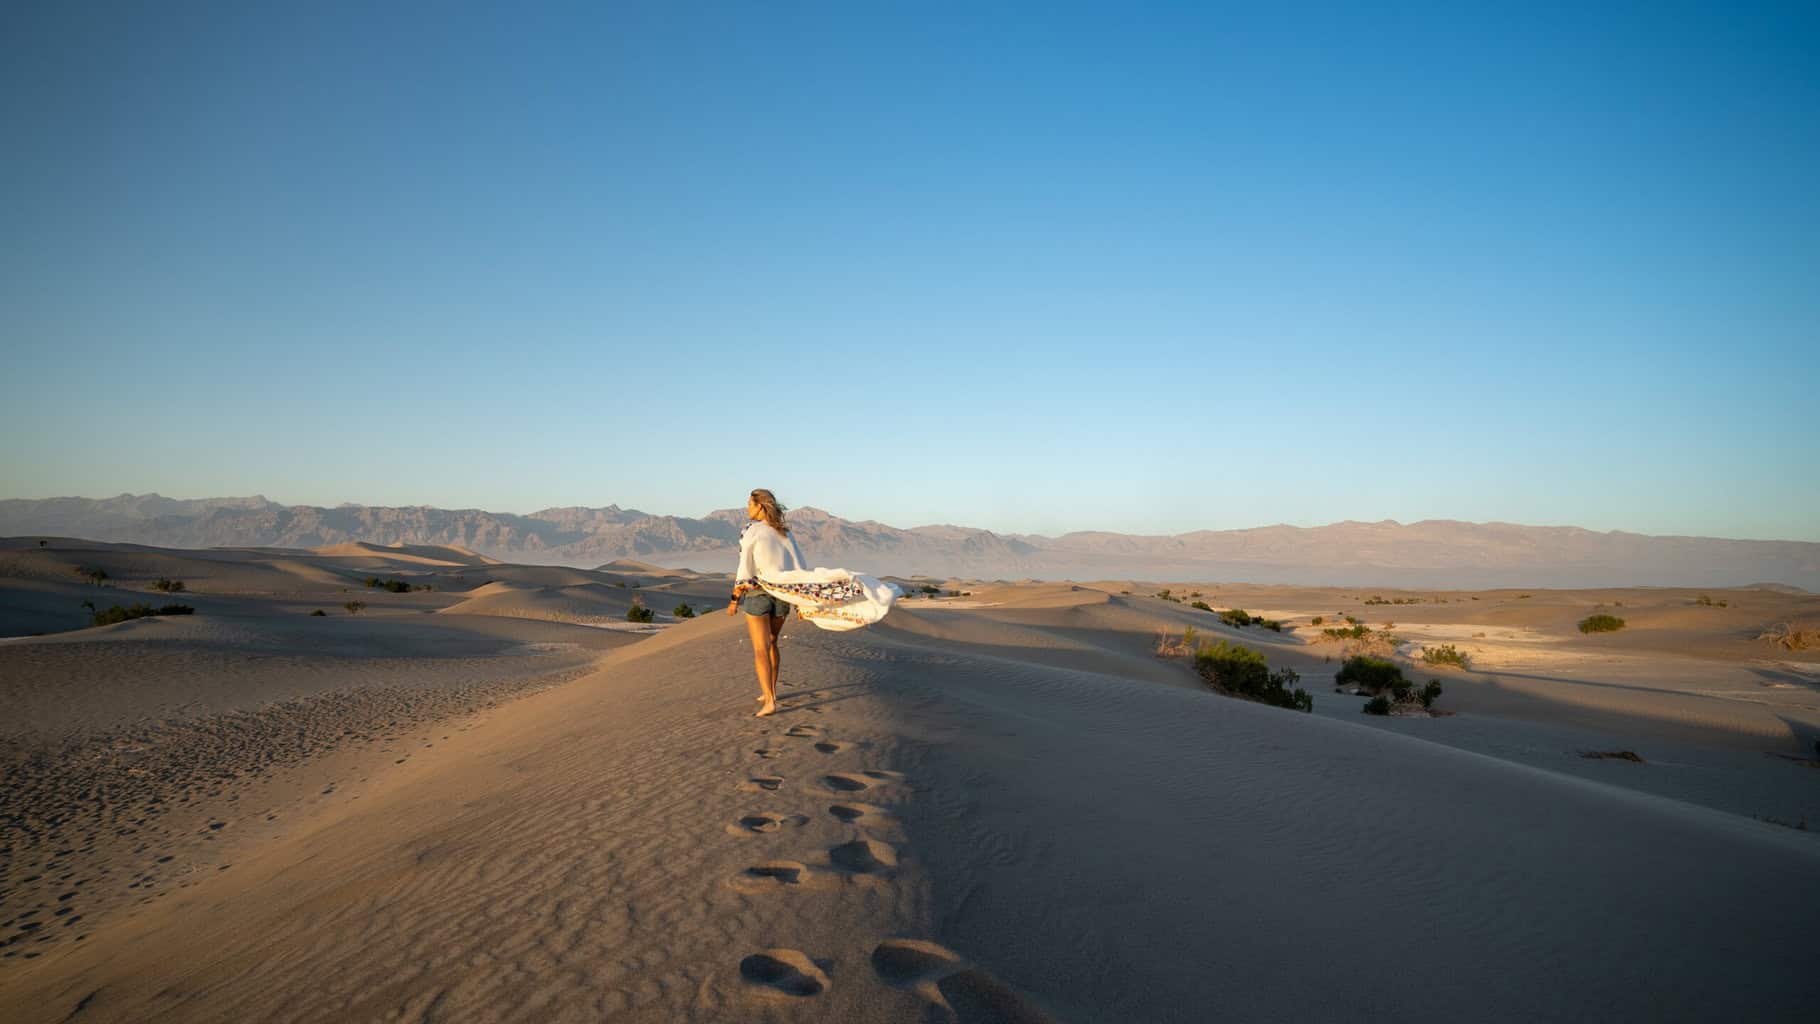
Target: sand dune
(587,602)
(1006,811)
(420,554)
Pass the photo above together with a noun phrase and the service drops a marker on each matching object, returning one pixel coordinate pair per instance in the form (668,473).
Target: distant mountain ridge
(1428,554)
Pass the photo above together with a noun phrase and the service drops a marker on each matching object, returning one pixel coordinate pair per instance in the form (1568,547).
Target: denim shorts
(760,603)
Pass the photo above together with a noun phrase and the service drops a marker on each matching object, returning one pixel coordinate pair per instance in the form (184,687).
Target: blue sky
(1038,268)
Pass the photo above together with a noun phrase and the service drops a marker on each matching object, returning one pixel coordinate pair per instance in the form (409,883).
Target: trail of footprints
(940,976)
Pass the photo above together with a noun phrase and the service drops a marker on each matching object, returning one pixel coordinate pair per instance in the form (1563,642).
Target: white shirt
(765,552)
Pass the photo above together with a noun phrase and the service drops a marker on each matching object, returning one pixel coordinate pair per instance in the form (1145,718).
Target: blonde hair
(770,509)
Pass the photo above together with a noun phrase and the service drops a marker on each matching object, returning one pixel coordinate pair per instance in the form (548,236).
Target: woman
(766,549)
(772,578)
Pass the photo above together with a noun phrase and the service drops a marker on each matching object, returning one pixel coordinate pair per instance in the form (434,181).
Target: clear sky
(1038,268)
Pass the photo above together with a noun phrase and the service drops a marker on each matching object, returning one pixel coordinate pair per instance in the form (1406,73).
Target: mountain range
(1428,554)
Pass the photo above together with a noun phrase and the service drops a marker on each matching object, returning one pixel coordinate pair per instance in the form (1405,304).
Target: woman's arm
(745,572)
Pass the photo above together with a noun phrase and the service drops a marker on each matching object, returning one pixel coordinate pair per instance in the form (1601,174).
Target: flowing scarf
(831,598)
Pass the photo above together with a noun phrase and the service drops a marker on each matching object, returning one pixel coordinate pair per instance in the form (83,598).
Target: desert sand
(493,800)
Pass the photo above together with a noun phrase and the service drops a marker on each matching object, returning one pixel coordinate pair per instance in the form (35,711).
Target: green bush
(394,586)
(1379,705)
(1271,624)
(1243,672)
(1236,617)
(1358,631)
(354,607)
(1430,692)
(168,586)
(683,611)
(1318,619)
(1369,673)
(116,613)
(1202,605)
(1705,602)
(1601,624)
(1444,654)
(639,613)
(92,574)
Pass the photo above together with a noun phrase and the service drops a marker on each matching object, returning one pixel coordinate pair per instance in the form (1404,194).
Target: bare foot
(770,708)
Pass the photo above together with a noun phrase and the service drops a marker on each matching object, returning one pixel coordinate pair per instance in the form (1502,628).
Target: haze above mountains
(1432,553)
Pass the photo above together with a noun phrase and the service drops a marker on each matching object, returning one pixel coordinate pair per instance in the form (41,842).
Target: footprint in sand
(803,731)
(777,872)
(939,974)
(908,961)
(787,971)
(767,752)
(766,783)
(847,783)
(977,997)
(759,823)
(832,746)
(864,857)
(855,813)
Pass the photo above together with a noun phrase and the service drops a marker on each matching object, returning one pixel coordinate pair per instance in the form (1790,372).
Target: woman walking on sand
(772,577)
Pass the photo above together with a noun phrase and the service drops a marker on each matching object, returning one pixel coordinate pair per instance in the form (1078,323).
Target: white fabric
(831,598)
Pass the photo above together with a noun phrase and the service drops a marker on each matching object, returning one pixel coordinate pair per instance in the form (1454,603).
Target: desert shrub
(1350,621)
(1191,639)
(1705,602)
(354,607)
(1524,597)
(1318,619)
(1356,631)
(1789,638)
(1271,624)
(1444,654)
(1202,605)
(929,591)
(1601,624)
(1167,646)
(1236,617)
(92,574)
(318,612)
(109,616)
(168,586)
(638,612)
(1430,692)
(1165,595)
(1243,672)
(1195,594)
(1369,673)
(683,611)
(1379,705)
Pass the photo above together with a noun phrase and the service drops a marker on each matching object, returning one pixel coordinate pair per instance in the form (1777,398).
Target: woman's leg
(777,628)
(758,627)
